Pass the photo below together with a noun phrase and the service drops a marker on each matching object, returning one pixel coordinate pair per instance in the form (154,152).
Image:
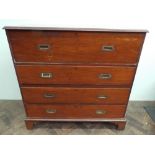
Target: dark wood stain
(75,47)
(30,74)
(75,111)
(75,95)
(77,61)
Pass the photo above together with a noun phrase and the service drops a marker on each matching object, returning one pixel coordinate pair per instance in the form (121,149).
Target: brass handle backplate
(46,75)
(108,48)
(105,76)
(102,97)
(43,47)
(49,95)
(51,111)
(100,112)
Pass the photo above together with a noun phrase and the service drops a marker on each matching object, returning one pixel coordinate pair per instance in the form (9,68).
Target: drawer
(67,74)
(76,95)
(69,111)
(77,47)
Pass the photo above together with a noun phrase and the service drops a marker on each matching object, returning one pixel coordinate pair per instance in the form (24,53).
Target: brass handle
(46,75)
(49,95)
(51,111)
(43,47)
(102,97)
(105,76)
(108,48)
(100,112)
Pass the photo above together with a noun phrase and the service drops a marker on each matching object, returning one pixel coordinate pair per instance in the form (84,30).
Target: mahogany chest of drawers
(75,74)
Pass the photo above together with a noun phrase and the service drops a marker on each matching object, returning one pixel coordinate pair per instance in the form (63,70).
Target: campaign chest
(74,74)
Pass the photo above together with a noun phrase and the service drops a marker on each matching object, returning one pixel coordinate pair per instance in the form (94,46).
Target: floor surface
(12,123)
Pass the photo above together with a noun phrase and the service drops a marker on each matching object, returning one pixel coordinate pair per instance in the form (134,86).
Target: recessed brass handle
(51,111)
(108,48)
(49,95)
(102,97)
(43,47)
(105,76)
(100,112)
(46,75)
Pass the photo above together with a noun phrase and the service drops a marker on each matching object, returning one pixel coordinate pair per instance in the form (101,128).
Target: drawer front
(67,95)
(68,111)
(77,47)
(66,74)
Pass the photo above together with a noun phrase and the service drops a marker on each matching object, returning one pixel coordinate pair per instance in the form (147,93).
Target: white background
(77,145)
(80,13)
(129,14)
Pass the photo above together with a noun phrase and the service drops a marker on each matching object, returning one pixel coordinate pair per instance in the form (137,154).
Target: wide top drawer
(75,47)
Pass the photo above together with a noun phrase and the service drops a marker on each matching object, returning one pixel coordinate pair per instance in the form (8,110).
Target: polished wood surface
(61,72)
(75,111)
(75,95)
(70,74)
(75,47)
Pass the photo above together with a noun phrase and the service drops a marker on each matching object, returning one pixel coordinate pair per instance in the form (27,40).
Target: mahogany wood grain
(75,58)
(75,95)
(70,74)
(75,111)
(75,47)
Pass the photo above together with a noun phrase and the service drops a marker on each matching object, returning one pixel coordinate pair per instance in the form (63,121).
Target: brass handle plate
(102,97)
(51,111)
(49,95)
(100,112)
(105,76)
(46,75)
(43,47)
(108,48)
